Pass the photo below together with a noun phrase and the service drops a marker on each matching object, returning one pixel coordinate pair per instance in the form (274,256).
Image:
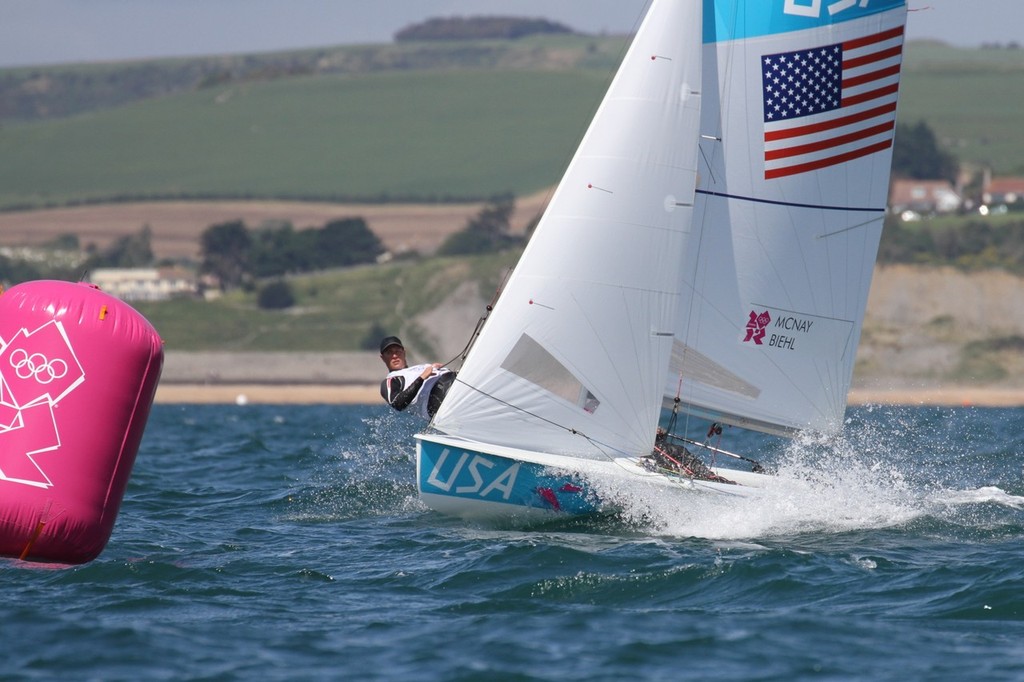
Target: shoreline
(369,394)
(946,396)
(268,394)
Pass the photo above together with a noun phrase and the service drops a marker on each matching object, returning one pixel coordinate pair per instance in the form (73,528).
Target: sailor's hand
(429,370)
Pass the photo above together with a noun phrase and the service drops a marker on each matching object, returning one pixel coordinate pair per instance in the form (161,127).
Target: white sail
(799,110)
(574,357)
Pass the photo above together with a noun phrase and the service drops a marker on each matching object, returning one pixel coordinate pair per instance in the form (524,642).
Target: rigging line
(482,319)
(707,162)
(716,449)
(791,204)
(472,337)
(830,318)
(676,402)
(601,447)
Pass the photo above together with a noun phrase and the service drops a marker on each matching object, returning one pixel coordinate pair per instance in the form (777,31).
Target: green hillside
(409,123)
(449,121)
(971,98)
(391,136)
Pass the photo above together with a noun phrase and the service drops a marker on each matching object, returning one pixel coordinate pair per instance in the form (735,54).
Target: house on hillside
(145,284)
(999,191)
(923,197)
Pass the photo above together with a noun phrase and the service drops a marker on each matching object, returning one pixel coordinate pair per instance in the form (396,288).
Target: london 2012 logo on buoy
(38,369)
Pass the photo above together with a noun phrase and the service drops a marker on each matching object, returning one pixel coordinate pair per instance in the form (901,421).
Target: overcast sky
(58,31)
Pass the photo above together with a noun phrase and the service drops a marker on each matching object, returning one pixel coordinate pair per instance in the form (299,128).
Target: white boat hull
(478,481)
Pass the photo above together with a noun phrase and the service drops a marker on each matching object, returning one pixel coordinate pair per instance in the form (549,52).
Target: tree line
(238,256)
(969,245)
(916,154)
(479,28)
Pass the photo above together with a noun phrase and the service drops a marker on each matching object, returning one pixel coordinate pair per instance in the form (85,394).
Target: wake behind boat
(709,249)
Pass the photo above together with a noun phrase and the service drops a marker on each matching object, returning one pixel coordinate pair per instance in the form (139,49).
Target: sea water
(287,543)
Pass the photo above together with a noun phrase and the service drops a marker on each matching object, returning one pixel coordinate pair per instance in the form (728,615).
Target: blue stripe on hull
(466,475)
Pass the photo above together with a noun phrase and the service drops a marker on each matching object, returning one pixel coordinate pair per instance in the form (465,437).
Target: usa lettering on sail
(830,104)
(814,8)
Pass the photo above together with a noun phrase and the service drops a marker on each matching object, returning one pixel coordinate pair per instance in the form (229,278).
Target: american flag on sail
(830,104)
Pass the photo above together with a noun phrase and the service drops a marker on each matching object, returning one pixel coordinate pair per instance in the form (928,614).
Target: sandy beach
(369,394)
(953,396)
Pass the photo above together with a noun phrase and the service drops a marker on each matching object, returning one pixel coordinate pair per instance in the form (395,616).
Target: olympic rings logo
(37,366)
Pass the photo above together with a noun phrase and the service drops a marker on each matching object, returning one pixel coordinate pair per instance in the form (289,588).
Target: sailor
(676,458)
(421,386)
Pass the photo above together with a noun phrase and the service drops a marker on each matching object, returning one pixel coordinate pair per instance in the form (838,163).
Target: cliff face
(941,326)
(925,327)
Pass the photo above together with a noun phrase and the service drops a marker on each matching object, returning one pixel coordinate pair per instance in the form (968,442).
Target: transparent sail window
(696,366)
(530,361)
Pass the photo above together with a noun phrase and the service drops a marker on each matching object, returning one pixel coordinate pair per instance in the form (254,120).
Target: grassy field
(402,133)
(435,136)
(431,123)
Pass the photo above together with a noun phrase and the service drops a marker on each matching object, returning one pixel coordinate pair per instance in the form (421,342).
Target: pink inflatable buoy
(78,373)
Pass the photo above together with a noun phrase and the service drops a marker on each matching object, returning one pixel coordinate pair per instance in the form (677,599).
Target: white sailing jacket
(392,390)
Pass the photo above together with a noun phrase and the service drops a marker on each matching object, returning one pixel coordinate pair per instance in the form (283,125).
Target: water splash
(984,495)
(366,468)
(888,468)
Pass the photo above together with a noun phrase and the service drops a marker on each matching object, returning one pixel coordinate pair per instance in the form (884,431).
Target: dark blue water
(287,543)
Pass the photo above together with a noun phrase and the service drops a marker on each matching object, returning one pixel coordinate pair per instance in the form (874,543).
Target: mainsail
(798,122)
(573,359)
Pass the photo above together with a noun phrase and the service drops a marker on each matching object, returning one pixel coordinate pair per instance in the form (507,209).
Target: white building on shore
(145,284)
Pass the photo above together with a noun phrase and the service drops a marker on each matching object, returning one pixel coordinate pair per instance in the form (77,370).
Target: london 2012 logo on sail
(756,327)
(783,333)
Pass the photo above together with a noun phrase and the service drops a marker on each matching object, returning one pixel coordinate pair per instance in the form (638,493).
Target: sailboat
(708,253)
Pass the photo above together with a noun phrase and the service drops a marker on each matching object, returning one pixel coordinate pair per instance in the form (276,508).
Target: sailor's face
(394,357)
